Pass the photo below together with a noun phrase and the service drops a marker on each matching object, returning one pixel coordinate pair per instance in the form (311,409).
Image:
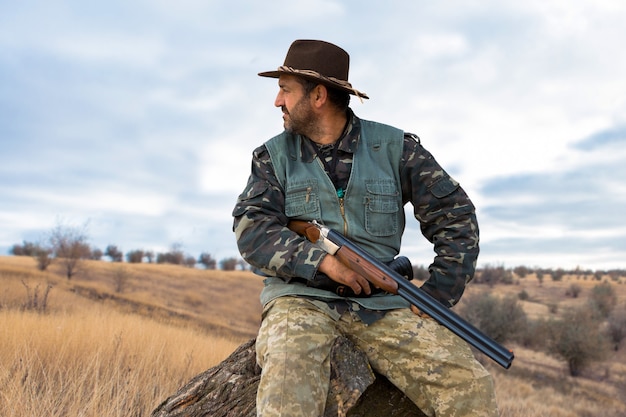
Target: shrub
(492,275)
(540,277)
(121,277)
(500,318)
(603,299)
(43,258)
(96,254)
(190,262)
(617,326)
(229,264)
(521,271)
(175,256)
(577,339)
(573,291)
(557,275)
(135,256)
(69,245)
(114,253)
(536,334)
(615,274)
(35,301)
(42,254)
(207,260)
(26,249)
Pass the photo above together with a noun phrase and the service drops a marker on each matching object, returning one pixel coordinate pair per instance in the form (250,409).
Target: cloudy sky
(137,118)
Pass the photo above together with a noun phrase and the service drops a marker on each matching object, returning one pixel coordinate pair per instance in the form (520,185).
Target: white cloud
(131,201)
(434,46)
(225,165)
(109,49)
(143,115)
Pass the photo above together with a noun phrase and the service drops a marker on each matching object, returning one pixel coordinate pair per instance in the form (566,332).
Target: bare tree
(70,247)
(96,254)
(41,252)
(229,264)
(190,261)
(121,277)
(521,271)
(114,253)
(207,260)
(26,249)
(574,290)
(175,256)
(135,256)
(43,258)
(33,300)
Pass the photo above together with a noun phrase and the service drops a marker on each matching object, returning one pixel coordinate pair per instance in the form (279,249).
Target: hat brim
(330,83)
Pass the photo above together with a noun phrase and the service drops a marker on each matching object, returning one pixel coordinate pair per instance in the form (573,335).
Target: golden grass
(538,385)
(96,363)
(98,352)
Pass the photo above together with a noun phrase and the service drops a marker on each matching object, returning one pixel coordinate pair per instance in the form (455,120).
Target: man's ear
(319,94)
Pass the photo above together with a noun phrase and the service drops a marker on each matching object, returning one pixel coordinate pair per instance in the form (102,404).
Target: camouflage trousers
(432,366)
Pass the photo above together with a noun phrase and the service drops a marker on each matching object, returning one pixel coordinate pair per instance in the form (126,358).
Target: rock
(229,389)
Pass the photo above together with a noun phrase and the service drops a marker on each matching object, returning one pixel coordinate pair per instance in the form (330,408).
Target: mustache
(284,109)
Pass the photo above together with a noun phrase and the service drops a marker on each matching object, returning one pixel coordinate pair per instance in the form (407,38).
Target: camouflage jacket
(445,214)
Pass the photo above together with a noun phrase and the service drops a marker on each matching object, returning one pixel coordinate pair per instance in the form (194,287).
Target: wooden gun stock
(369,271)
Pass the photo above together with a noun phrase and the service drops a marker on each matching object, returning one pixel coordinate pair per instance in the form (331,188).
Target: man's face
(298,115)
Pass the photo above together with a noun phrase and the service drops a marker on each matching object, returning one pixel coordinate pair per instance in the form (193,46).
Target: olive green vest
(370,213)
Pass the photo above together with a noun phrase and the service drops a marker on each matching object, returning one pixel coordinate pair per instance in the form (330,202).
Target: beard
(300,119)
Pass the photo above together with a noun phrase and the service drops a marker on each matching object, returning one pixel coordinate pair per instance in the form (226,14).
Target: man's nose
(279,101)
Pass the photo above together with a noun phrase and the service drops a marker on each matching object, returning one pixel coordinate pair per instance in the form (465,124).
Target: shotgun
(383,277)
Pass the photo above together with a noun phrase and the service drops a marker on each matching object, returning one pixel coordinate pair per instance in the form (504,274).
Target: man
(354,176)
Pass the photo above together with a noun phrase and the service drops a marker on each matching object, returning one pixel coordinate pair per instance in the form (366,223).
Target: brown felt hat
(318,61)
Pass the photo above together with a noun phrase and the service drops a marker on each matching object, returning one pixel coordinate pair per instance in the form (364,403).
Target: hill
(125,336)
(218,302)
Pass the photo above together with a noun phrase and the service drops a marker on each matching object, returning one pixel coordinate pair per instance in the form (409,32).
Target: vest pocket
(302,199)
(381,207)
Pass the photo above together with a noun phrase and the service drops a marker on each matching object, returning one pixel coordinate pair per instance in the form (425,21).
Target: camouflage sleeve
(447,219)
(260,229)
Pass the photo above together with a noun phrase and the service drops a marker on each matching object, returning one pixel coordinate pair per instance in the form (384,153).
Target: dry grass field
(118,339)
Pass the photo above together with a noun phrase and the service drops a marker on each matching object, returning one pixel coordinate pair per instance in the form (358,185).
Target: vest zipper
(343,216)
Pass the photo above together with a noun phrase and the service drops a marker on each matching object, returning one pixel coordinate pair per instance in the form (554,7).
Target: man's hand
(419,312)
(342,274)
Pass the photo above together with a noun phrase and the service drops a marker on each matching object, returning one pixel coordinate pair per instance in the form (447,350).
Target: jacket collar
(348,141)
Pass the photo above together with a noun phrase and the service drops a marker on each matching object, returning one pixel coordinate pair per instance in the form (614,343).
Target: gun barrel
(444,316)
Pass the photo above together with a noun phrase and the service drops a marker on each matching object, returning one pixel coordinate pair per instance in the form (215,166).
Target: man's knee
(475,398)
(294,326)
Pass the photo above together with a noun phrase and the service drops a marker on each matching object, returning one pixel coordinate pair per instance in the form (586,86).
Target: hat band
(343,83)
